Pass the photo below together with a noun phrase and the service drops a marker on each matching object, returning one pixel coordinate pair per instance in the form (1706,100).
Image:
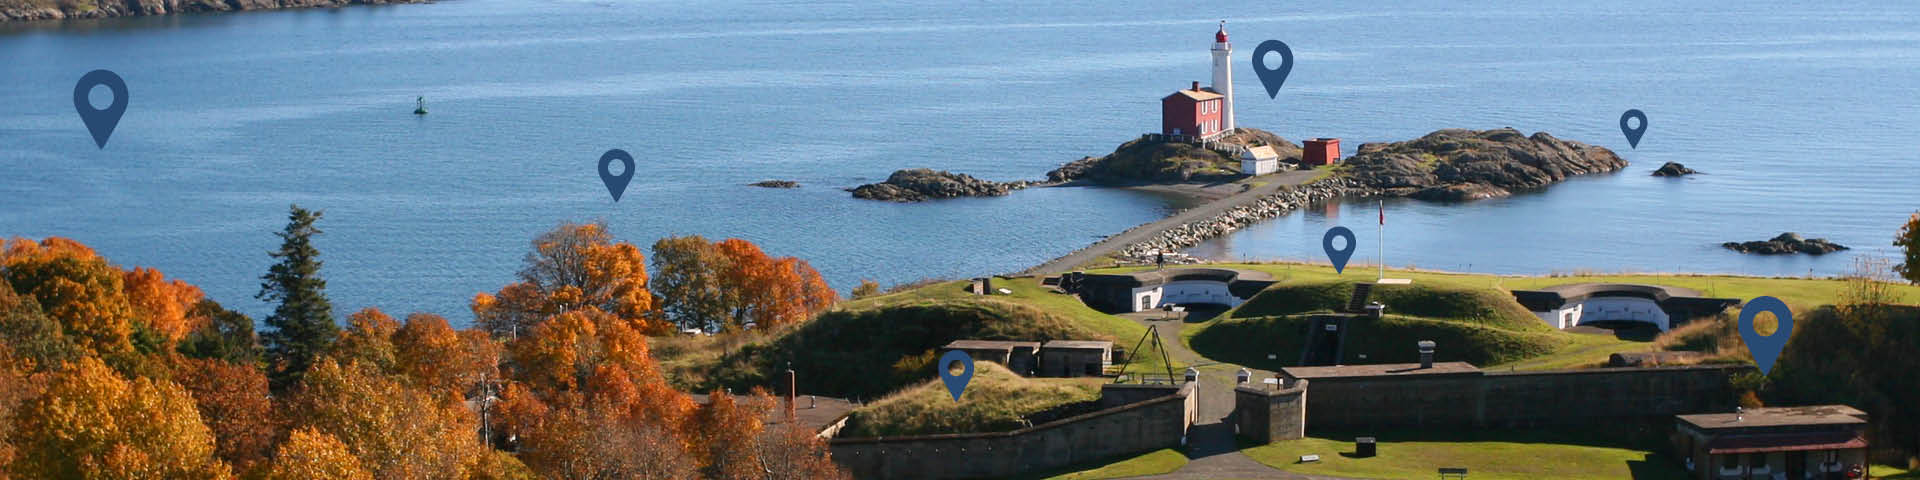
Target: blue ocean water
(1804,117)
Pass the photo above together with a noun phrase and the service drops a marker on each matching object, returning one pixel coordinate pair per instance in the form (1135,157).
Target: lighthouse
(1223,76)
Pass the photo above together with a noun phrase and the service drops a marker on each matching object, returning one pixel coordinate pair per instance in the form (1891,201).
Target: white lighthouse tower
(1223,76)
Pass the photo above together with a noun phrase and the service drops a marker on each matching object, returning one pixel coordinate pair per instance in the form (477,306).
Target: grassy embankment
(1482,327)
(995,400)
(1487,454)
(1569,350)
(873,346)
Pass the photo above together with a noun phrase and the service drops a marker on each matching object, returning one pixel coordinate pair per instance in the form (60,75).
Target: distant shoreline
(35,11)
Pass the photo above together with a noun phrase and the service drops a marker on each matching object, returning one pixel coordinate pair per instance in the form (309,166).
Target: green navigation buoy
(420,106)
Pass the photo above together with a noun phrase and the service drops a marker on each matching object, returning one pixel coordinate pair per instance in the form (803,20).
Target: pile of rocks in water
(920,184)
(775,184)
(1786,243)
(1235,218)
(1673,169)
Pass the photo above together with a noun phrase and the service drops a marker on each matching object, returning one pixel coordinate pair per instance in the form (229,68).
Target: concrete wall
(1267,413)
(1074,362)
(1117,394)
(1600,309)
(1512,399)
(1143,426)
(1196,291)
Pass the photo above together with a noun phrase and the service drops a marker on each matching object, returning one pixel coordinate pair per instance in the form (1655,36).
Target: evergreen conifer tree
(302,322)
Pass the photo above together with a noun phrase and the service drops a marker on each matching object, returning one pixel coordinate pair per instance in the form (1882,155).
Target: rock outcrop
(1459,192)
(1786,243)
(775,184)
(1157,161)
(1460,164)
(25,10)
(918,184)
(1673,169)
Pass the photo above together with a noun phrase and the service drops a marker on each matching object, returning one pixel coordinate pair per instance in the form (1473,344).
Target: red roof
(1221,36)
(1786,442)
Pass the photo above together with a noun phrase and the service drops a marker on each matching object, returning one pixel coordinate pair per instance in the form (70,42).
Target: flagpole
(1383,240)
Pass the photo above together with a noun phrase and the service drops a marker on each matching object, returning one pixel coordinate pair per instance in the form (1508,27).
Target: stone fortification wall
(1155,422)
(1517,399)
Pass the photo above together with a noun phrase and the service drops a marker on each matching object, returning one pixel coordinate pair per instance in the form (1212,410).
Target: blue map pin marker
(1766,348)
(1633,133)
(1339,256)
(616,184)
(956,384)
(1272,77)
(100,122)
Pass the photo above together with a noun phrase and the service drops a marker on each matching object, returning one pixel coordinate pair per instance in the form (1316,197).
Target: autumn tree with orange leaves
(91,423)
(310,454)
(236,406)
(75,288)
(729,284)
(166,305)
(576,266)
(113,373)
(396,432)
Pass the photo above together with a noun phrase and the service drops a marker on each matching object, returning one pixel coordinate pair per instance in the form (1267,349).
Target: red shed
(1321,151)
(1191,112)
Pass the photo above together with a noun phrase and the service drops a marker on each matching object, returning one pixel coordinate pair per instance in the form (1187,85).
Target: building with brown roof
(1813,442)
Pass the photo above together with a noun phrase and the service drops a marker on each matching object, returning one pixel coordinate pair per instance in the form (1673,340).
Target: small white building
(1259,160)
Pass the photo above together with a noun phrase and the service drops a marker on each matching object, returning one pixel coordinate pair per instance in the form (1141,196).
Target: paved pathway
(1213,451)
(1146,232)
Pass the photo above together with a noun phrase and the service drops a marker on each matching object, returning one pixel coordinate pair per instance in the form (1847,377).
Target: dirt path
(1146,232)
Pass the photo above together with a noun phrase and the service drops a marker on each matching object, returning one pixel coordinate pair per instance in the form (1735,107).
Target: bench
(1453,473)
(1309,458)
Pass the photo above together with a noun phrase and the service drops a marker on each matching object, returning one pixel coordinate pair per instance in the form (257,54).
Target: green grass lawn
(1893,473)
(1151,463)
(1486,454)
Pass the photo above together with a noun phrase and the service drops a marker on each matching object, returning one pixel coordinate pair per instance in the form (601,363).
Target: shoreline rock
(30,10)
(1786,243)
(1673,169)
(921,184)
(1457,164)
(775,184)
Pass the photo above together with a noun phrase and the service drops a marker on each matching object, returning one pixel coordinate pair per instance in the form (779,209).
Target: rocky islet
(1460,164)
(919,184)
(1786,243)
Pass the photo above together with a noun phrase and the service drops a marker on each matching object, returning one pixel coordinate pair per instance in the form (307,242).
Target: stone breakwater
(1236,217)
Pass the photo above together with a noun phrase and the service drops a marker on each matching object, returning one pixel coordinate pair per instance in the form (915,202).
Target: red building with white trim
(1192,112)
